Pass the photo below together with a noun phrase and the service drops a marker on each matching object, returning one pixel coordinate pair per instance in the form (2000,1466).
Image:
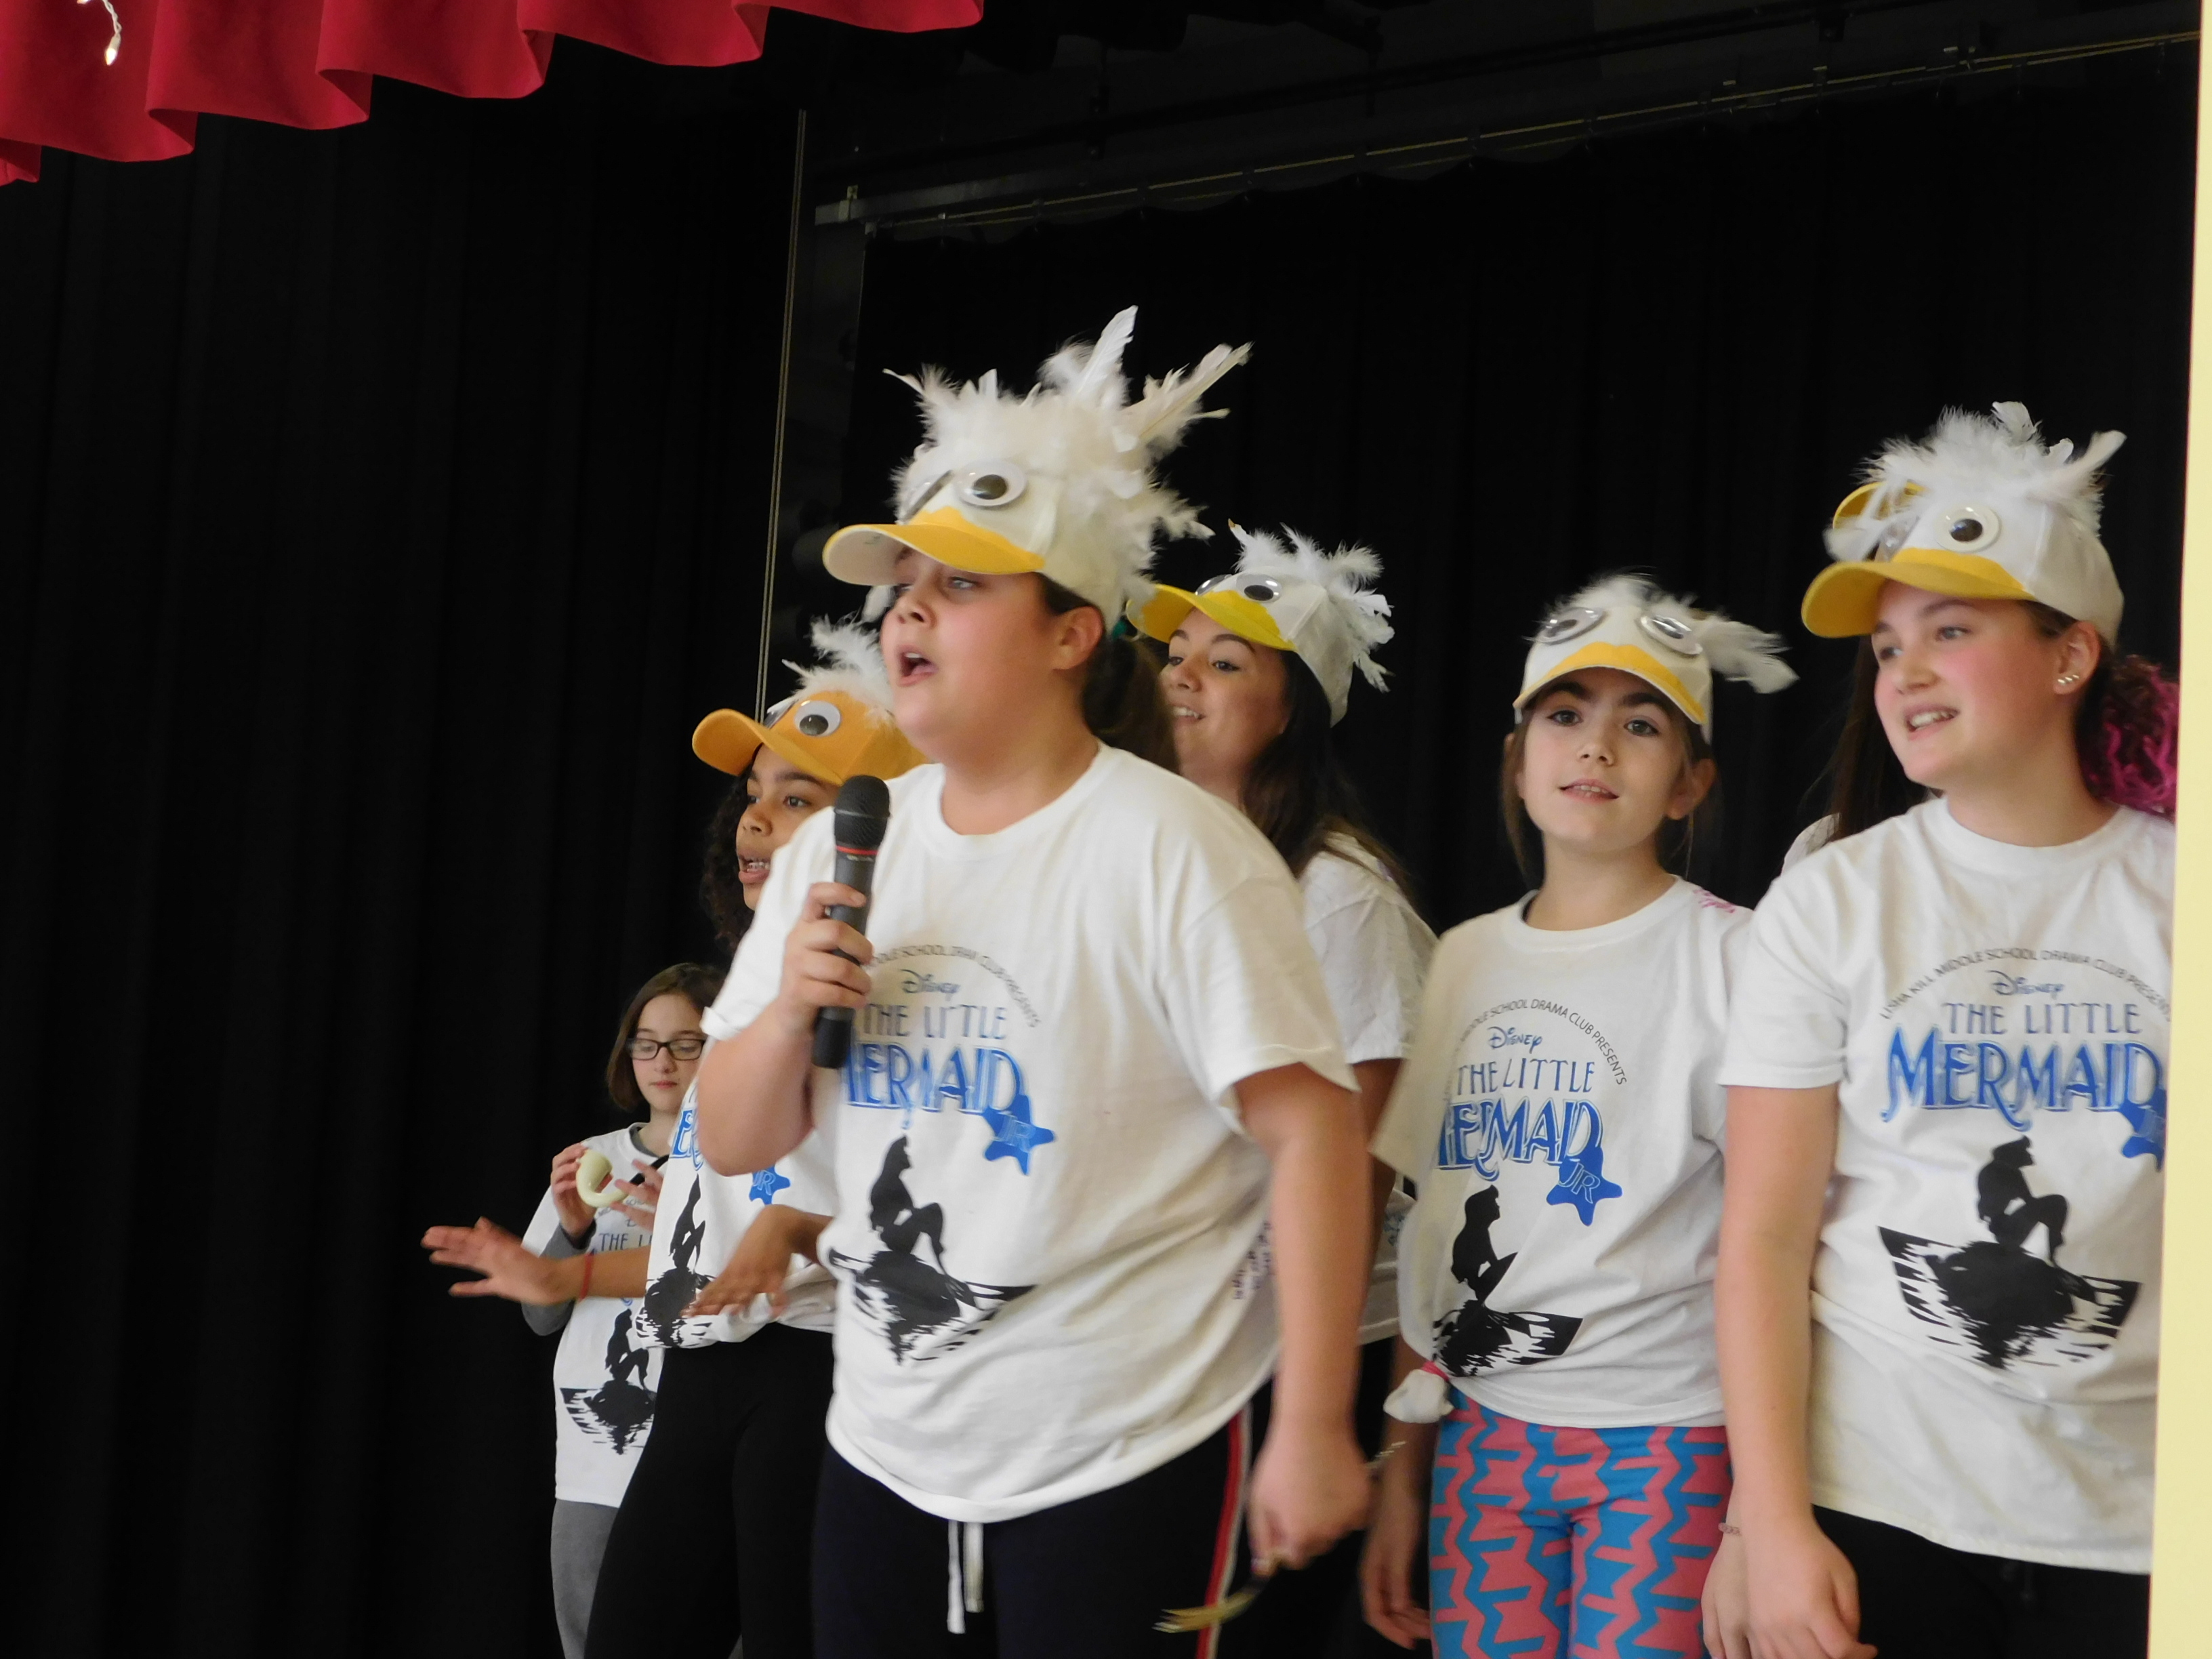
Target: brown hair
(695,982)
(1297,791)
(1678,837)
(2125,729)
(1122,701)
(721,895)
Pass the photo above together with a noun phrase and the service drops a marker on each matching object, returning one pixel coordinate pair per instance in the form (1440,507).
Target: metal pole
(782,412)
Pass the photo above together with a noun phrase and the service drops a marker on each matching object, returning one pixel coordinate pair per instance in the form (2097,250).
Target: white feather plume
(1077,423)
(1967,450)
(852,662)
(1736,650)
(1343,576)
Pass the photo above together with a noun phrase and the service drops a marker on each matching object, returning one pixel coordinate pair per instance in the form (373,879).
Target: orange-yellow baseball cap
(838,725)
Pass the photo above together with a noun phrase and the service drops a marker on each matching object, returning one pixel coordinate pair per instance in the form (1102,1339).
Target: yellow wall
(2181,1585)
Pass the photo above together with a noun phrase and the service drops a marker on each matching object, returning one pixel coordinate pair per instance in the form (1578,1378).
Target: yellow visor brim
(1845,599)
(1248,619)
(867,554)
(1629,659)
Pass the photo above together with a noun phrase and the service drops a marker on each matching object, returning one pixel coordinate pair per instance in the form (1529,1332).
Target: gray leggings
(580,1538)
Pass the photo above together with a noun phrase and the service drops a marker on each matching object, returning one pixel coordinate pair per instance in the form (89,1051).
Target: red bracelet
(585,1289)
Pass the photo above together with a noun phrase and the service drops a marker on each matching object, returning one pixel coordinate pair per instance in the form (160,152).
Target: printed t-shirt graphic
(1374,950)
(1048,1211)
(604,1375)
(1985,1295)
(701,1217)
(1561,1115)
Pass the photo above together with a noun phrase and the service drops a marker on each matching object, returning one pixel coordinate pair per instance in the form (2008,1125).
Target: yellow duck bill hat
(1058,480)
(1296,598)
(1628,624)
(837,724)
(1980,510)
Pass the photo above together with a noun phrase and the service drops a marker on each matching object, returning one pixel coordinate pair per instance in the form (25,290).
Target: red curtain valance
(309,63)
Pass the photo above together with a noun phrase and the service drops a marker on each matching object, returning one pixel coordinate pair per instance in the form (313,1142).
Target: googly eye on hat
(1980,510)
(1298,598)
(1626,622)
(836,725)
(1059,480)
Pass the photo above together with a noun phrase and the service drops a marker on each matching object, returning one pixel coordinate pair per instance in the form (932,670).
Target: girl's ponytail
(1122,701)
(2127,733)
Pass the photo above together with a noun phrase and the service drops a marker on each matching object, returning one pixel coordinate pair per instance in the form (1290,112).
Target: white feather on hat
(1627,621)
(1736,650)
(2003,449)
(1980,508)
(851,661)
(1068,464)
(1355,610)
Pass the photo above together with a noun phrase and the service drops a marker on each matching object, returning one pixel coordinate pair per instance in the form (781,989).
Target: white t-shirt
(1808,841)
(604,1375)
(1048,1207)
(1374,952)
(1997,1019)
(1562,1116)
(698,1223)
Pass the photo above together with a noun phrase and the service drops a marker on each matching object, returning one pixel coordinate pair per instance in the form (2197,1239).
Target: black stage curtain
(1670,354)
(380,510)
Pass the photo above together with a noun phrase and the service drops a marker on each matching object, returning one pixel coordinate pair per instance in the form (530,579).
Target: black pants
(1083,1580)
(1918,1600)
(1314,1613)
(712,1538)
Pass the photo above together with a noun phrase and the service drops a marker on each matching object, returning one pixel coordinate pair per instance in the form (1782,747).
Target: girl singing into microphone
(1091,1049)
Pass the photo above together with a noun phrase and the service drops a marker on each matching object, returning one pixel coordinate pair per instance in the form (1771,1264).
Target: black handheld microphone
(864,812)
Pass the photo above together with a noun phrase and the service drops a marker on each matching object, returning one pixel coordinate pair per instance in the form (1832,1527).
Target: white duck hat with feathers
(1626,622)
(1292,597)
(1058,480)
(1980,510)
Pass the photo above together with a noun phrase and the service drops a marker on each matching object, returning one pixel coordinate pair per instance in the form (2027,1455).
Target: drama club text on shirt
(2023,1041)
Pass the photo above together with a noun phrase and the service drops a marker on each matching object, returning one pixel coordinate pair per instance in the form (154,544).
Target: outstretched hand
(509,1269)
(761,1262)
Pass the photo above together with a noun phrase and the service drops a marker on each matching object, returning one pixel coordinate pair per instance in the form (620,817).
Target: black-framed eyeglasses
(681,1047)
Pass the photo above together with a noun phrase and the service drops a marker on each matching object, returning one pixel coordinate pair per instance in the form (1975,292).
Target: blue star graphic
(1014,1133)
(767,1183)
(1583,1183)
(2149,1122)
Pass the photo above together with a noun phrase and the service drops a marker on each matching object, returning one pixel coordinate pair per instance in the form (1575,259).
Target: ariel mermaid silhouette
(908,1297)
(1996,1297)
(1476,1337)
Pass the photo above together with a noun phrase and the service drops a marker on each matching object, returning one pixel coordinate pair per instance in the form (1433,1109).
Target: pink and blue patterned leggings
(1550,1543)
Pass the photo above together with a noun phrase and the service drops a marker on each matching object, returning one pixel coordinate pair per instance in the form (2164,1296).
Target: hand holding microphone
(861,815)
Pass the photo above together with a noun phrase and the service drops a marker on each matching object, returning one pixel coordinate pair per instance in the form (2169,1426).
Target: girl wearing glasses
(604,1377)
(578,1269)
